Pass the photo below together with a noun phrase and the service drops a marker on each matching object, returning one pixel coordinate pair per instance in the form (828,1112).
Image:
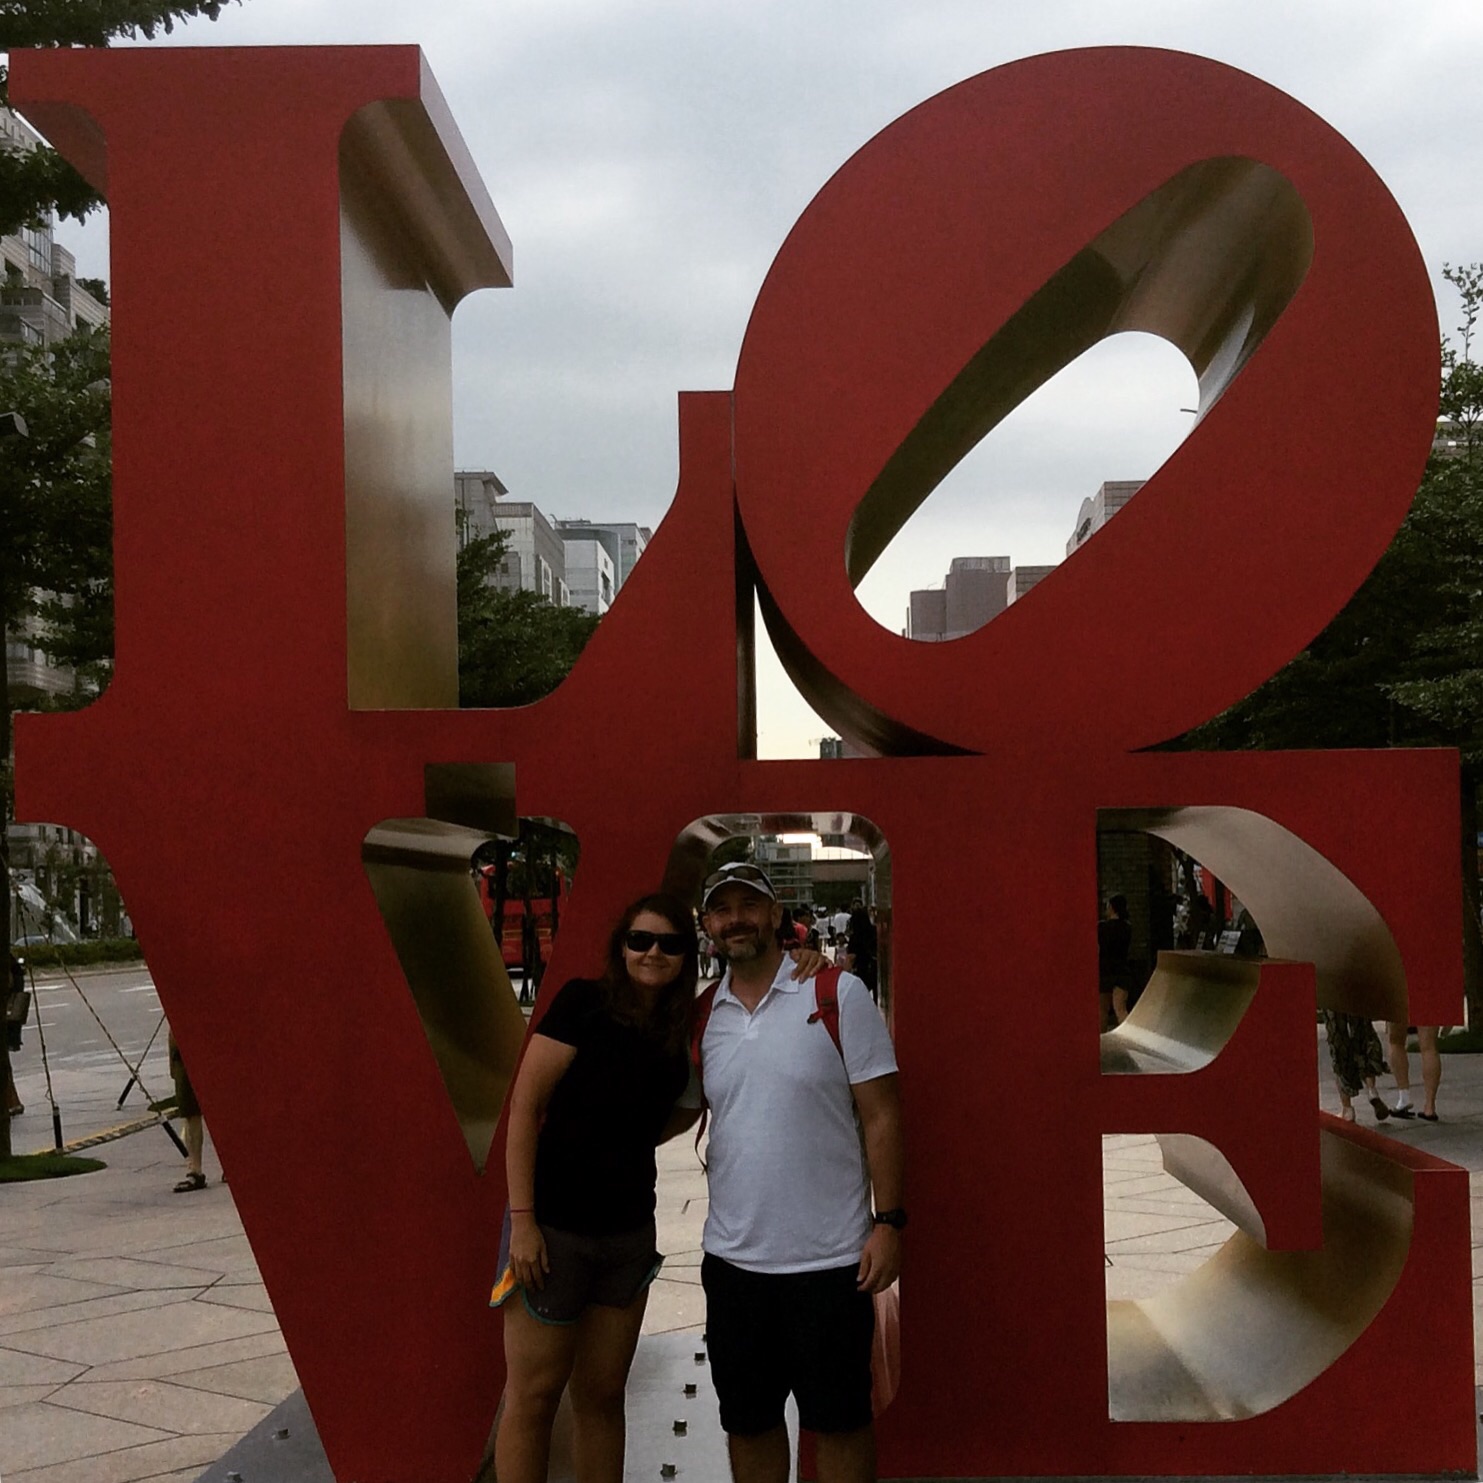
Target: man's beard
(742,949)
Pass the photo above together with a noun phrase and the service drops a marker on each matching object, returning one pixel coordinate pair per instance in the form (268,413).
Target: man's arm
(878,1103)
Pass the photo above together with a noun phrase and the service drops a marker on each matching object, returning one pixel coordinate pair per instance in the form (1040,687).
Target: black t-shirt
(595,1169)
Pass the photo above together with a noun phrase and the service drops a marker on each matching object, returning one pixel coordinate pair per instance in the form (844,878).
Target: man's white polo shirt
(789,1186)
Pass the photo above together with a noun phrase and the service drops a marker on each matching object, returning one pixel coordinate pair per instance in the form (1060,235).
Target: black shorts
(609,1270)
(771,1333)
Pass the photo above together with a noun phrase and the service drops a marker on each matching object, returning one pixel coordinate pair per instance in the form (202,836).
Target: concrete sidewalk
(137,1341)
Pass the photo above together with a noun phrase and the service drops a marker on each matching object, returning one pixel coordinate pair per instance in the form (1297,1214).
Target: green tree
(56,560)
(513,647)
(1402,664)
(35,183)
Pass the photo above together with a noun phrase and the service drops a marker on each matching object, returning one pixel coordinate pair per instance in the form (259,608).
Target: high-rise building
(622,540)
(975,590)
(1100,508)
(590,574)
(1023,578)
(537,555)
(476,494)
(41,299)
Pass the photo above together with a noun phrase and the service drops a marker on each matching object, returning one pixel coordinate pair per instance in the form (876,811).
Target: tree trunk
(1472,940)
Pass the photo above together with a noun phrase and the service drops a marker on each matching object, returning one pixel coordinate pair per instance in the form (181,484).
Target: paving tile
(41,1434)
(12,1324)
(23,1395)
(1161,1261)
(673,1305)
(1189,1239)
(690,1258)
(229,1252)
(23,1256)
(157,1330)
(1117,1225)
(253,1296)
(26,1293)
(270,1379)
(17,1368)
(133,1235)
(162,1404)
(1133,1282)
(187,1455)
(132,1272)
(202,1356)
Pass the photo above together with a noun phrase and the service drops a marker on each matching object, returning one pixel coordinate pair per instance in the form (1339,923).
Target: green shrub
(23,1166)
(78,954)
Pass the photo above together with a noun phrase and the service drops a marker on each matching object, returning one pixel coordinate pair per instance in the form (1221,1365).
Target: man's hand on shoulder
(880,1262)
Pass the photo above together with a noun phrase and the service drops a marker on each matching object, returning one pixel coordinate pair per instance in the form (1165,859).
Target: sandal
(189,1183)
(1381,1110)
(1427,1117)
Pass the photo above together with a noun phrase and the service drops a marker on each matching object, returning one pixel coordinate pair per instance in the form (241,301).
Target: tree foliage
(55,498)
(513,647)
(1402,664)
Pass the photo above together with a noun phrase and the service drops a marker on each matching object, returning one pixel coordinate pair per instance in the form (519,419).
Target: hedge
(74,954)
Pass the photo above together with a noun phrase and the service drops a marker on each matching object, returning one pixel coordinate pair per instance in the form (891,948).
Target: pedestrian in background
(1400,1065)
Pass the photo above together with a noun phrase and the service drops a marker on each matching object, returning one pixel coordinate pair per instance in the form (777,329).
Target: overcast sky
(648,157)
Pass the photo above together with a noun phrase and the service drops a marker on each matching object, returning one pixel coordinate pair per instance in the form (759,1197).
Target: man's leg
(763,1459)
(745,1316)
(846,1457)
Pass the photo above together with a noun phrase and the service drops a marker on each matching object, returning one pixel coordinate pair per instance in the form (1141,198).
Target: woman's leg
(606,1340)
(538,1359)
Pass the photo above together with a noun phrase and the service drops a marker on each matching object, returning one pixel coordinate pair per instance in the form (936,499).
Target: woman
(595,1093)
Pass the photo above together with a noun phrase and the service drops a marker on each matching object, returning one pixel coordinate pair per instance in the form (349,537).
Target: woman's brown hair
(669,1021)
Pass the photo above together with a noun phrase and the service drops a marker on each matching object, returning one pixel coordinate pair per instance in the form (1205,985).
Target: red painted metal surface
(227,731)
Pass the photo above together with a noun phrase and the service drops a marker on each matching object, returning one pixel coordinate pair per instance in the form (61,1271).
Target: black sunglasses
(671,944)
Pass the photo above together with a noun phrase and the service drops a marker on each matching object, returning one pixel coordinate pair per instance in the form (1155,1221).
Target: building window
(545,579)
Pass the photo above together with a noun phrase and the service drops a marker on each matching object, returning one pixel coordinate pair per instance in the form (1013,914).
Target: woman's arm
(546,1062)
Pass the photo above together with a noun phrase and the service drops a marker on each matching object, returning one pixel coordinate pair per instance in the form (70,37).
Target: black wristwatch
(896,1219)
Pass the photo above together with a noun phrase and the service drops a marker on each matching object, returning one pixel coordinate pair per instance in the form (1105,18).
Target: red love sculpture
(284,699)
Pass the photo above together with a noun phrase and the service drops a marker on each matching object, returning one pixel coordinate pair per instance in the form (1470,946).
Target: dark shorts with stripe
(770,1333)
(608,1270)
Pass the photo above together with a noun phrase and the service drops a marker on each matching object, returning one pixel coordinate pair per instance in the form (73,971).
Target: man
(839,926)
(792,1251)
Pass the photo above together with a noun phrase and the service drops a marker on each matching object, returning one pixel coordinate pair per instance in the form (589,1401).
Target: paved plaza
(137,1341)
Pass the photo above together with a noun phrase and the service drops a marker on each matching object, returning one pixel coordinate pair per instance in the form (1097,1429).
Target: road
(87,1072)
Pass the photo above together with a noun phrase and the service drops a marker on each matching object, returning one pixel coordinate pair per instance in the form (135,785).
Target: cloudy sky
(648,157)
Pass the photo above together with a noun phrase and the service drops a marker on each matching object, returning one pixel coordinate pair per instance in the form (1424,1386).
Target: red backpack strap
(826,1004)
(703,1006)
